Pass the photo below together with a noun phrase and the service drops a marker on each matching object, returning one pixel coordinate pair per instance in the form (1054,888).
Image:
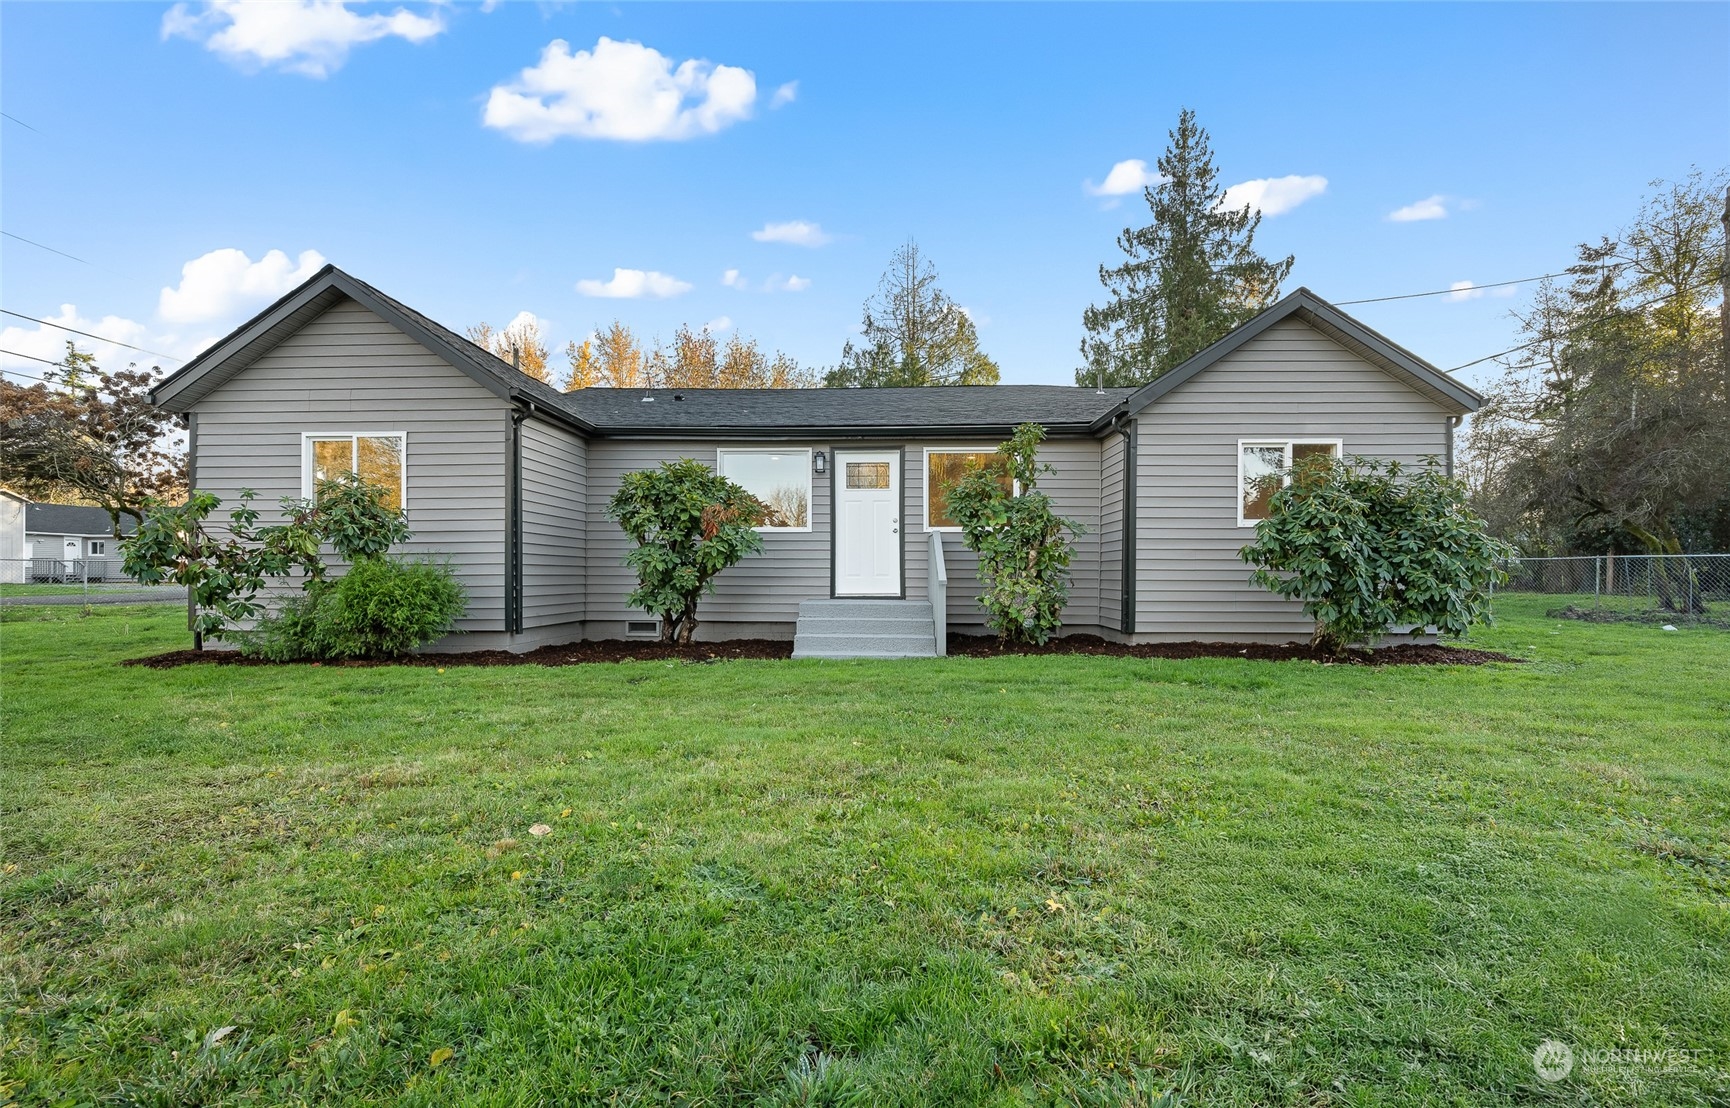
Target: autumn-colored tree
(91,435)
(585,365)
(521,343)
(913,334)
(618,358)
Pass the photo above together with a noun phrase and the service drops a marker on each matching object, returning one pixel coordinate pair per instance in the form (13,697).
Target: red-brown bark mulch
(571,654)
(1402,654)
(967,646)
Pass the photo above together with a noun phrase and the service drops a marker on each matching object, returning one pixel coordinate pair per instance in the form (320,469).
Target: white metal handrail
(937,589)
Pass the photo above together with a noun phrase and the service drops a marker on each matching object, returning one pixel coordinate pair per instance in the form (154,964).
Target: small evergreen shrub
(381,608)
(689,523)
(1023,554)
(1367,546)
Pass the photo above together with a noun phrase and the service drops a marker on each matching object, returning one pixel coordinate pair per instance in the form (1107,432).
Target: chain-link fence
(94,580)
(1658,588)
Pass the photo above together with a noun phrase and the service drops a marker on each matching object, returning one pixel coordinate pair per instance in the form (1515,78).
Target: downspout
(1451,422)
(189,420)
(514,524)
(1126,586)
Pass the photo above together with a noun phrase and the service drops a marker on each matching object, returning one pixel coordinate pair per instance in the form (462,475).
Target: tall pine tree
(914,334)
(1189,276)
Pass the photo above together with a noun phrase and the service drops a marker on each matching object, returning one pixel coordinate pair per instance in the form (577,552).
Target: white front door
(72,551)
(868,523)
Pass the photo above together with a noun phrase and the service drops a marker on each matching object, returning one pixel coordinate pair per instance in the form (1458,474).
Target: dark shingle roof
(984,408)
(72,519)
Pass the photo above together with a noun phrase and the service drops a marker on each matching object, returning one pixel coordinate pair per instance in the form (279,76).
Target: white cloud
(619,90)
(733,280)
(795,232)
(219,284)
(786,94)
(1125,177)
(1465,290)
(792,283)
(719,325)
(310,37)
(40,340)
(1273,195)
(1430,207)
(634,284)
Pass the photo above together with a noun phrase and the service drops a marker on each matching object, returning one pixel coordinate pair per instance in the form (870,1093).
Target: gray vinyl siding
(349,370)
(1112,453)
(1290,382)
(763,588)
(1074,490)
(554,506)
(766,588)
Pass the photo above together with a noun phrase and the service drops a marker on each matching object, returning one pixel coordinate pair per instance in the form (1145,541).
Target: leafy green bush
(1367,546)
(381,608)
(1023,554)
(351,515)
(689,523)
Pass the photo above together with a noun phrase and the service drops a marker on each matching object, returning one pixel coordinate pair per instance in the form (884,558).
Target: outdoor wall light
(822,461)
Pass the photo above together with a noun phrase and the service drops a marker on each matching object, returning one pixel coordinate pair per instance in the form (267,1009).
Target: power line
(39,246)
(1632,308)
(88,335)
(20,122)
(32,357)
(1444,292)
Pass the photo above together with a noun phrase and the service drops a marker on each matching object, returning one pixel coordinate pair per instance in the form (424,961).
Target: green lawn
(1017,881)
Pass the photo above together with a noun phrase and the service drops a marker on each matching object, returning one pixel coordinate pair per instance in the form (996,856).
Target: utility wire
(39,246)
(88,335)
(1444,292)
(1631,309)
(32,357)
(20,122)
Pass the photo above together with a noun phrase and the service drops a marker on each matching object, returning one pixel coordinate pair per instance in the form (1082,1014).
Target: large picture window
(379,457)
(1264,467)
(779,478)
(944,469)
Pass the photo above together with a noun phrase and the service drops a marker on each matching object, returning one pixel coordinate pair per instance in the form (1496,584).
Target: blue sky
(406,144)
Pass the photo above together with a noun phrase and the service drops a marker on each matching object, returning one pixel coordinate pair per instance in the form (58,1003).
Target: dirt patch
(966,646)
(1403,654)
(1650,618)
(577,653)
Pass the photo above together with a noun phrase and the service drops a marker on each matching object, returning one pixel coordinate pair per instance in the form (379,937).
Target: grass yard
(1056,880)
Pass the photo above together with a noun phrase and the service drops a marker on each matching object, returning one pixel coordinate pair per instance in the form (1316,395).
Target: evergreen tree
(914,334)
(1188,277)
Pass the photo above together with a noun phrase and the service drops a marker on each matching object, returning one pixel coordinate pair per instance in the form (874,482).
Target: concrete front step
(865,629)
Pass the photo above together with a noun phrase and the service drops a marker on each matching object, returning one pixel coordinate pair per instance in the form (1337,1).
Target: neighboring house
(57,541)
(509,478)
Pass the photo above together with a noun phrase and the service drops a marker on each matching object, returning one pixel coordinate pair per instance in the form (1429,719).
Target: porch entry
(868,523)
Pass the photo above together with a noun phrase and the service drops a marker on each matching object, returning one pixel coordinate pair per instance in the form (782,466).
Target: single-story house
(54,542)
(509,478)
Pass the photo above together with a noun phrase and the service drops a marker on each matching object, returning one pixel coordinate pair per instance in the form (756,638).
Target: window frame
(925,484)
(1339,445)
(721,453)
(96,548)
(307,438)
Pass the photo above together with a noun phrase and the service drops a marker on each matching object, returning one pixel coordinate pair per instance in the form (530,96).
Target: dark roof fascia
(1312,309)
(885,431)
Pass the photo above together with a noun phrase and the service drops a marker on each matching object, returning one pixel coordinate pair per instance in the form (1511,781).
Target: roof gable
(1351,334)
(269,328)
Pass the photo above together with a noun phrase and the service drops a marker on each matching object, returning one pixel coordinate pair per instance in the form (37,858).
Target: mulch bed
(1402,654)
(968,646)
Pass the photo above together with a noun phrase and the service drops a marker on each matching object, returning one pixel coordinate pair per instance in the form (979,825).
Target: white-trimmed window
(779,478)
(98,548)
(944,469)
(1264,467)
(378,457)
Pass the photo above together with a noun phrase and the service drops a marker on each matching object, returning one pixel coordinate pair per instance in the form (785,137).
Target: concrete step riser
(829,625)
(863,608)
(900,644)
